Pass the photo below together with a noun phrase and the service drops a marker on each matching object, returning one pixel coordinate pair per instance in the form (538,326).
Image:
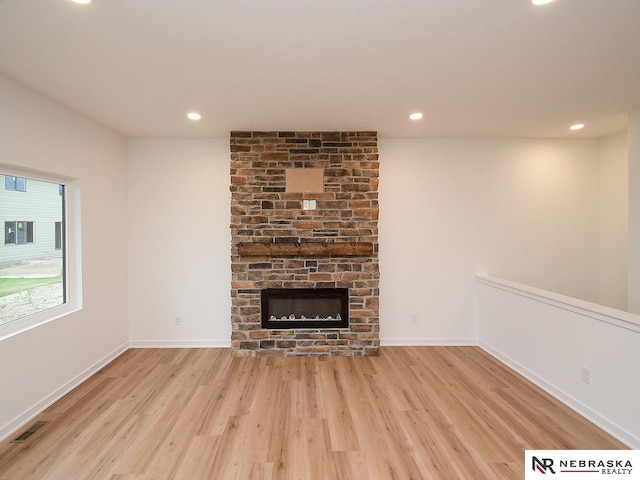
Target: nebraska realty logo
(584,464)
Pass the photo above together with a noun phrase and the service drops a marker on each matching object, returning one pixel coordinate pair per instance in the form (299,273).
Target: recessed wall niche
(304,180)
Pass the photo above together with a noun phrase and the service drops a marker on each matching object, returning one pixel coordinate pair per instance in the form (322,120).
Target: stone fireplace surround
(277,244)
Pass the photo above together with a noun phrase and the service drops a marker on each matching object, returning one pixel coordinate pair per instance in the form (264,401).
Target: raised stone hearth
(276,244)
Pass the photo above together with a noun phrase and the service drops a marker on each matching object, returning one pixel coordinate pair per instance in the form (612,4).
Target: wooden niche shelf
(293,249)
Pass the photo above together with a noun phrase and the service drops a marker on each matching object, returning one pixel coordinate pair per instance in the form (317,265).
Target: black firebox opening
(284,308)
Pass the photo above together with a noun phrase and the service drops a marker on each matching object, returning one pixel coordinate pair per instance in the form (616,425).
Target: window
(33,264)
(9,233)
(58,240)
(18,233)
(29,232)
(18,184)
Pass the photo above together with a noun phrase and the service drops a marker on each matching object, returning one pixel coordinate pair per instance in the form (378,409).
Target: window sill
(21,325)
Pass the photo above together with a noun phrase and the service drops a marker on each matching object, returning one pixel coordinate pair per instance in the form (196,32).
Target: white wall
(526,210)
(614,221)
(634,211)
(179,242)
(523,209)
(39,364)
(549,339)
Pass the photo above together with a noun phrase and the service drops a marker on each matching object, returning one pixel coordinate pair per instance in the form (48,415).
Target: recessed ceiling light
(194,116)
(82,2)
(416,116)
(577,126)
(541,2)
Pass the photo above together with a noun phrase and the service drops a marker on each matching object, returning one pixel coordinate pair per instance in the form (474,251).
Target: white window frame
(73,253)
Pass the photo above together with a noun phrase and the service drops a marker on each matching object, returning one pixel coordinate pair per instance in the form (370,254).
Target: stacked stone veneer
(347,211)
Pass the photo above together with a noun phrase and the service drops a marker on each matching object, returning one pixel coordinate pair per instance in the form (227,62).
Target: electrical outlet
(177,321)
(586,375)
(414,318)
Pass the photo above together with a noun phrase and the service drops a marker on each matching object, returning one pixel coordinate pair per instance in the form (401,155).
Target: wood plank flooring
(412,413)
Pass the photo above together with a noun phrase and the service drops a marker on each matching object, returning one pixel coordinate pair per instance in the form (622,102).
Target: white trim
(594,417)
(25,324)
(180,344)
(29,414)
(613,316)
(428,342)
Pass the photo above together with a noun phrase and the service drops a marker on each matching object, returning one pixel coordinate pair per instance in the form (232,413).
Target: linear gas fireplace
(284,308)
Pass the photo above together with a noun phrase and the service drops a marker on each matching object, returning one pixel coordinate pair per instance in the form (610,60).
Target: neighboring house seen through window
(33,275)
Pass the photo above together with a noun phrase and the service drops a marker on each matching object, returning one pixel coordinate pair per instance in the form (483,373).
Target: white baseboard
(28,415)
(180,344)
(428,342)
(396,342)
(594,417)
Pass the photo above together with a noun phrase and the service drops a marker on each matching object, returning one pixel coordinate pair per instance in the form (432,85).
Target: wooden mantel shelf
(311,249)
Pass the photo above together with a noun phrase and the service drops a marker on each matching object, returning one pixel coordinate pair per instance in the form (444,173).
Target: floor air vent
(27,435)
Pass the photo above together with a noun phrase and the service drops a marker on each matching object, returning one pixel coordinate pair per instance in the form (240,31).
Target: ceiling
(492,68)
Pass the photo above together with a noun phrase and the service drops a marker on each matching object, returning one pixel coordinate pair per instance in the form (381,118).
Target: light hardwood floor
(412,413)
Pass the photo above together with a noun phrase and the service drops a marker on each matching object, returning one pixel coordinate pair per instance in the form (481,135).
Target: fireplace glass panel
(305,308)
